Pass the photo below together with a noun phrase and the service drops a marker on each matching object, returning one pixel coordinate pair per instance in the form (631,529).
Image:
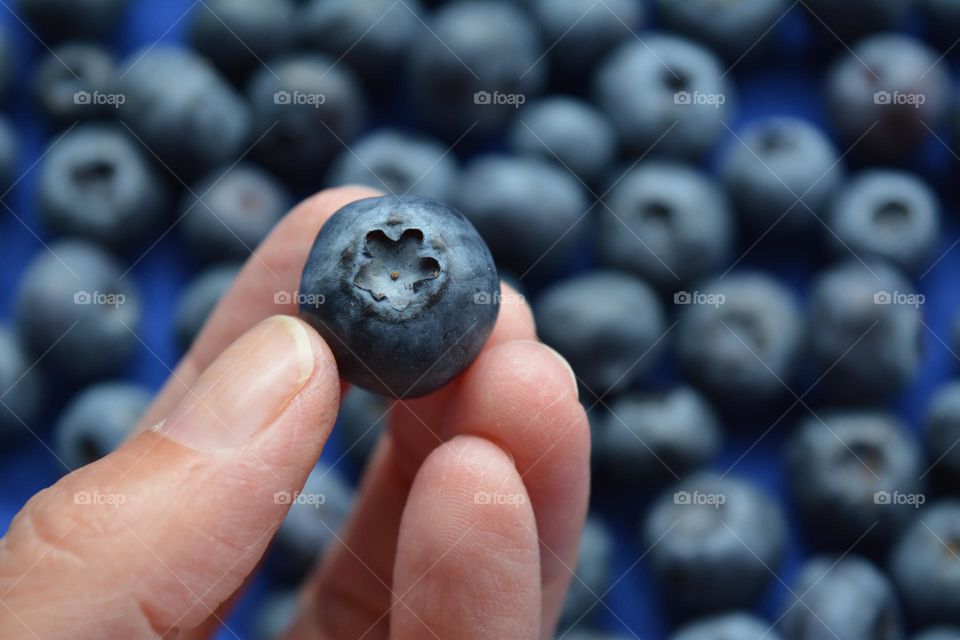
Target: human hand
(155,539)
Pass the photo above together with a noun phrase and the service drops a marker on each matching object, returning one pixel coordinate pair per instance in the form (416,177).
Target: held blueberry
(942,433)
(96,182)
(781,173)
(97,420)
(21,386)
(925,564)
(74,305)
(888,92)
(891,215)
(713,543)
(740,337)
(847,598)
(592,572)
(199,300)
(228,214)
(855,476)
(667,223)
(666,96)
(727,626)
(733,28)
(608,325)
(74,82)
(403,290)
(399,162)
(57,19)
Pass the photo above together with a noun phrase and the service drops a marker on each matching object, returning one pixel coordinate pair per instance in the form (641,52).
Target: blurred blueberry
(668,223)
(865,330)
(566,131)
(316,515)
(9,155)
(607,325)
(727,626)
(530,212)
(846,598)
(74,82)
(74,306)
(855,476)
(198,301)
(892,215)
(362,418)
(482,61)
(740,337)
(275,615)
(97,182)
(887,93)
(239,35)
(372,36)
(732,27)
(646,439)
(580,32)
(943,20)
(665,95)
(942,433)
(21,386)
(398,162)
(713,543)
(182,109)
(97,420)
(306,108)
(857,17)
(938,633)
(227,214)
(58,19)
(7,66)
(780,174)
(925,564)
(592,573)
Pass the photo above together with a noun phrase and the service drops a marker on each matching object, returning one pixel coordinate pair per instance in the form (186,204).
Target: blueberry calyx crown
(395,270)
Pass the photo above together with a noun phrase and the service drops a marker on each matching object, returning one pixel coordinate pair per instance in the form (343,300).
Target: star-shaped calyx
(395,270)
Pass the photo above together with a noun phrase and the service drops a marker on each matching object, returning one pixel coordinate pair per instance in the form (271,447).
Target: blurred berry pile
(735,220)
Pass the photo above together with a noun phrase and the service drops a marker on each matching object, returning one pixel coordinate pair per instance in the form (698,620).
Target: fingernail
(245,388)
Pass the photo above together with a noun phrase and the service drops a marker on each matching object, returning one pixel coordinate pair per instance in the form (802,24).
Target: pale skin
(182,513)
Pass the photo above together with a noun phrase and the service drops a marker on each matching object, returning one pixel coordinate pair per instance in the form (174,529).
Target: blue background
(788,83)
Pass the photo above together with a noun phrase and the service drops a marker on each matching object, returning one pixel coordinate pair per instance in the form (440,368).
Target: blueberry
(226,215)
(727,626)
(943,19)
(713,543)
(732,28)
(198,301)
(608,325)
(781,174)
(316,516)
(239,35)
(73,81)
(97,420)
(306,108)
(275,615)
(58,19)
(890,89)
(647,439)
(372,36)
(846,598)
(7,66)
(362,418)
(566,131)
(482,61)
(528,210)
(925,564)
(74,306)
(665,95)
(21,386)
(581,32)
(892,215)
(9,155)
(398,162)
(857,17)
(942,432)
(98,183)
(667,223)
(739,337)
(938,633)
(592,573)
(865,330)
(182,109)
(403,290)
(853,475)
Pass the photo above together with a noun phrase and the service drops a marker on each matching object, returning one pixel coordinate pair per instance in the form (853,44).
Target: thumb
(152,538)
